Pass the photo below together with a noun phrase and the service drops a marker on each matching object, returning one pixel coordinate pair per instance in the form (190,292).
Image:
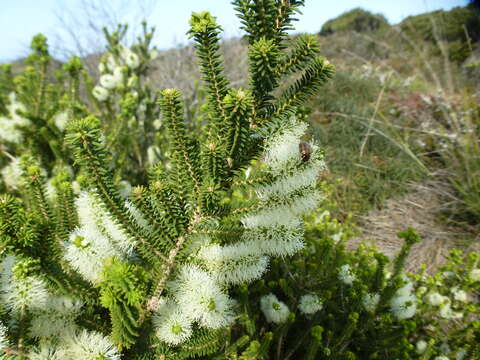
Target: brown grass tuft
(420,209)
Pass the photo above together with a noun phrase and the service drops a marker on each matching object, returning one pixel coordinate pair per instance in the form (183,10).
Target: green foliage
(357,20)
(123,294)
(342,115)
(343,327)
(461,155)
(6,86)
(458,27)
(20,229)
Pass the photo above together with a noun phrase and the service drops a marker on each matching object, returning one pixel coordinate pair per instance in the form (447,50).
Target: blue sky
(21,19)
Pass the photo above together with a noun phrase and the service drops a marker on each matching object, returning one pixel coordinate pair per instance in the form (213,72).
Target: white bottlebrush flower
(445,349)
(124,188)
(102,68)
(171,325)
(18,294)
(345,275)
(11,174)
(24,293)
(50,190)
(9,127)
(153,155)
(234,264)
(460,354)
(337,237)
(108,81)
(283,148)
(57,319)
(275,311)
(64,305)
(4,343)
(89,345)
(45,352)
(118,76)
(285,214)
(157,124)
(114,80)
(404,303)
(91,214)
(153,54)
(86,251)
(9,131)
(441,357)
(139,219)
(48,325)
(370,301)
(201,299)
(100,93)
(15,105)
(276,241)
(111,62)
(310,304)
(403,307)
(87,208)
(14,109)
(421,346)
(436,299)
(447,312)
(406,289)
(131,59)
(119,237)
(475,275)
(459,295)
(286,185)
(60,120)
(76,187)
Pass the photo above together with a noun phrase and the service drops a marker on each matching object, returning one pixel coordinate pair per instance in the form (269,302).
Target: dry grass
(420,209)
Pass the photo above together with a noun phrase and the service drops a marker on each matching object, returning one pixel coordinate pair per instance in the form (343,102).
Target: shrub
(357,20)
(459,28)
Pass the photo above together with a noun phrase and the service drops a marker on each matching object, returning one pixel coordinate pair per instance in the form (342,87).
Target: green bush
(358,20)
(459,28)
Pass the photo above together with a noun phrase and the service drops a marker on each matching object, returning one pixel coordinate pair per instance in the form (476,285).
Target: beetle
(305,151)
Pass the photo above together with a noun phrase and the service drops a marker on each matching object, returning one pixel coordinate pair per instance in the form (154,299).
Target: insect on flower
(305,151)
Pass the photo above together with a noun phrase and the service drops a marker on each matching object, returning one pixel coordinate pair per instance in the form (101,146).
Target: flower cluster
(345,275)
(404,303)
(272,229)
(310,304)
(11,174)
(196,297)
(114,69)
(97,238)
(370,301)
(20,291)
(89,346)
(275,311)
(10,127)
(4,343)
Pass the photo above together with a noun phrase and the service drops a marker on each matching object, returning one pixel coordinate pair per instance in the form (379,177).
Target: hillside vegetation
(357,20)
